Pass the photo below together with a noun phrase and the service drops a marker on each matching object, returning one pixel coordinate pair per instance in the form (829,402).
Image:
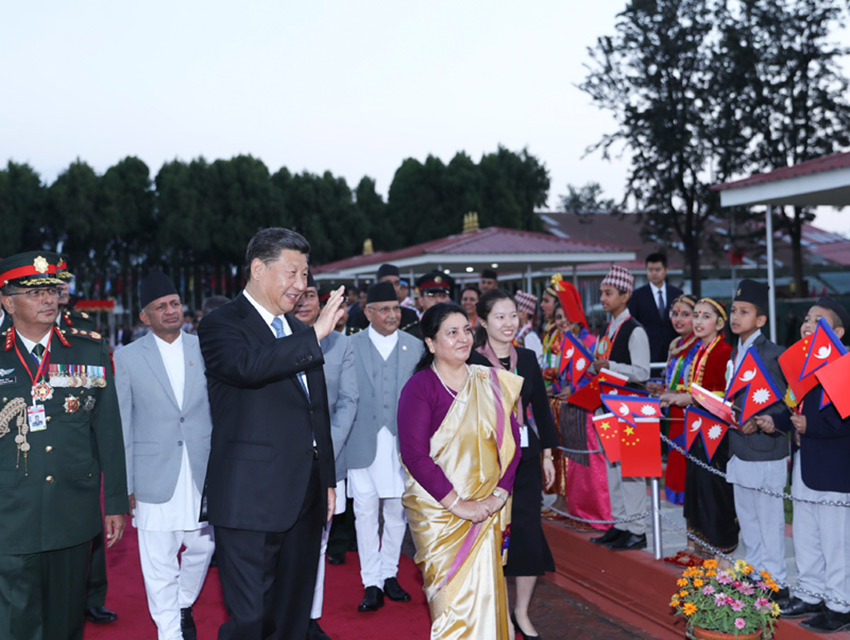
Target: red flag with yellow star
(835,379)
(608,428)
(588,396)
(713,403)
(791,362)
(640,449)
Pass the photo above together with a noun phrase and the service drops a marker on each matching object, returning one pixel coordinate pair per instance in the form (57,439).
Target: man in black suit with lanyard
(270,479)
(650,306)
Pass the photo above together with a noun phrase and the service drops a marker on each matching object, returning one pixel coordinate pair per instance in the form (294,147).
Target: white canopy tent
(819,182)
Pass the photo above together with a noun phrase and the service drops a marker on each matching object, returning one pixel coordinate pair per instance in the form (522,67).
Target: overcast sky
(350,87)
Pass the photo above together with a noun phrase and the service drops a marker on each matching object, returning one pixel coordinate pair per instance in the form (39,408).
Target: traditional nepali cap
(153,286)
(838,309)
(311,281)
(489,273)
(30,269)
(752,292)
(62,271)
(388,269)
(570,300)
(381,292)
(525,301)
(620,278)
(435,281)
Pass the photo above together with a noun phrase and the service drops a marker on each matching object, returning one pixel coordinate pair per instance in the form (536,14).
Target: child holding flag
(709,502)
(820,473)
(759,453)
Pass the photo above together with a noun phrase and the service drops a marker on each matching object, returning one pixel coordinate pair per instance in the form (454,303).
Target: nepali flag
(760,391)
(640,449)
(630,408)
(825,348)
(712,403)
(576,355)
(835,380)
(712,430)
(608,429)
(609,388)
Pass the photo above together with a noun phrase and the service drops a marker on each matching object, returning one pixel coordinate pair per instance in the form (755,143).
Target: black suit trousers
(267,577)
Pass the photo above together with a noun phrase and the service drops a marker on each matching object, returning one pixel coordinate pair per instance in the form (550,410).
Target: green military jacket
(79,320)
(50,498)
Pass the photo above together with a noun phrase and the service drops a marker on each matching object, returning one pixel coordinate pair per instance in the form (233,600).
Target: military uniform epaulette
(92,335)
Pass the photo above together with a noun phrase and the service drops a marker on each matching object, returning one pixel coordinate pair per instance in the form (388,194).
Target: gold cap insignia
(738,292)
(40,264)
(438,279)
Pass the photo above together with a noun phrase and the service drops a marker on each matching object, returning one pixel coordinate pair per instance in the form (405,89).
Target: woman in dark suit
(528,552)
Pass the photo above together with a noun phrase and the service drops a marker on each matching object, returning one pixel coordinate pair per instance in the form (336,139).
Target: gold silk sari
(461,562)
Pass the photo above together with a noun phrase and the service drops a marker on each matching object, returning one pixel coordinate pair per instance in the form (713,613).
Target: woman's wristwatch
(501,494)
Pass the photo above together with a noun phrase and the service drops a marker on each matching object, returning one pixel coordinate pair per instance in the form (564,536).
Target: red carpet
(340,619)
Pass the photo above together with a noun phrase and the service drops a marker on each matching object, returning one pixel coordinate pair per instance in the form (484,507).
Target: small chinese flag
(791,362)
(713,403)
(835,380)
(608,428)
(640,449)
(588,396)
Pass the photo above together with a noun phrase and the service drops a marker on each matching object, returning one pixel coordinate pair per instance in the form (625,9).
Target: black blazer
(263,425)
(534,393)
(644,309)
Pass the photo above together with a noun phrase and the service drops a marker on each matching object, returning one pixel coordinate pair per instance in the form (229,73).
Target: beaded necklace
(453,394)
(697,368)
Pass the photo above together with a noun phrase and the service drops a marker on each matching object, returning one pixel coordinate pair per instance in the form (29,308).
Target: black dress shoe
(629,542)
(799,608)
(517,629)
(609,536)
(372,600)
(100,615)
(828,622)
(393,590)
(187,624)
(315,632)
(781,597)
(336,558)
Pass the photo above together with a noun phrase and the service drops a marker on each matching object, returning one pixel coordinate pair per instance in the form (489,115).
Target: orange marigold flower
(710,564)
(765,575)
(690,608)
(710,574)
(698,582)
(682,582)
(683,594)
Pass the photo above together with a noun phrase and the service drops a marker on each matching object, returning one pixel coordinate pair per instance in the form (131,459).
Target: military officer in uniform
(95,606)
(59,430)
(435,287)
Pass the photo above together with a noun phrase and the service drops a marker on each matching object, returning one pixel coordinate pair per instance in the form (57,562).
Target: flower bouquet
(729,601)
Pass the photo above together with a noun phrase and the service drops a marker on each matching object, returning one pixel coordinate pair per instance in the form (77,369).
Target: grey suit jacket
(155,428)
(362,441)
(341,383)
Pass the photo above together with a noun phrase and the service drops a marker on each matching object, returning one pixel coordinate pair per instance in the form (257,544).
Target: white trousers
(821,543)
(170,584)
(762,521)
(379,553)
(628,499)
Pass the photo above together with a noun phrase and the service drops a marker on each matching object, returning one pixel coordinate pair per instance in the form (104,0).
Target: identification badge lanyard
(40,391)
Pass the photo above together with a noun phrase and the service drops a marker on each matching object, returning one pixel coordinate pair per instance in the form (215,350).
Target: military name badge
(72,404)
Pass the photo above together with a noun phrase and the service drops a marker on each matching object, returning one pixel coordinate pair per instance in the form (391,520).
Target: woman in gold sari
(459,443)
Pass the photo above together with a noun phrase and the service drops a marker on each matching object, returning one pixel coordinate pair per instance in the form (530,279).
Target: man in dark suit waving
(650,305)
(270,479)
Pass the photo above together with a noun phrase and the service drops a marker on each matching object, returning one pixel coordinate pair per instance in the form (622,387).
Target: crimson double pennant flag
(835,380)
(640,449)
(752,377)
(703,424)
(792,362)
(629,409)
(825,349)
(576,355)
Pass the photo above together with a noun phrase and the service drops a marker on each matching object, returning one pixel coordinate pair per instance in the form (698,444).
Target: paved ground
(558,614)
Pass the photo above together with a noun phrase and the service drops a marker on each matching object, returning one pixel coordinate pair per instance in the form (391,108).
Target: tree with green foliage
(23,203)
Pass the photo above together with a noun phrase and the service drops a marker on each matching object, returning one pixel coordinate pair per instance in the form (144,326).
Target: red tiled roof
(487,241)
(818,165)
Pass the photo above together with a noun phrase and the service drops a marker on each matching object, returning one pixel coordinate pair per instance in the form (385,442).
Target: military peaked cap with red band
(435,280)
(30,269)
(62,271)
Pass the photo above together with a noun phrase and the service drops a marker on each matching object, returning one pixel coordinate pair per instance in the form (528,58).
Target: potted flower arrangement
(726,603)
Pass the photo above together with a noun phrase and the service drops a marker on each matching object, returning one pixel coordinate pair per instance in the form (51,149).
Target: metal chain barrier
(645,514)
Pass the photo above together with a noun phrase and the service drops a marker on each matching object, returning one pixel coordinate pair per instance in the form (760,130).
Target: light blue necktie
(277,325)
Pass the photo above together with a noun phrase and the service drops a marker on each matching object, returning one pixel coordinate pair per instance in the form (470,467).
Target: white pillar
(771,279)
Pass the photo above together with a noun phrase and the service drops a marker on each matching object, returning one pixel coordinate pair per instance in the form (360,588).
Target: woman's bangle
(500,495)
(549,457)
(454,504)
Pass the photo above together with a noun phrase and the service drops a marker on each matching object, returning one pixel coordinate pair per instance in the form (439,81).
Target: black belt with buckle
(313,451)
